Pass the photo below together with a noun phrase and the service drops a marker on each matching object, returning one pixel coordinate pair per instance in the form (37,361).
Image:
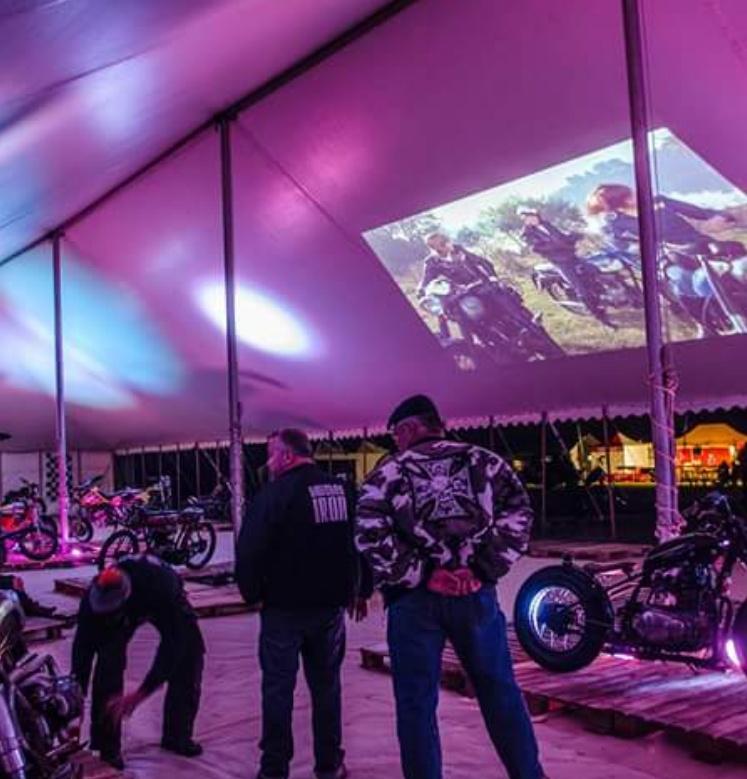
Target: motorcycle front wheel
(119,544)
(38,543)
(562,618)
(200,542)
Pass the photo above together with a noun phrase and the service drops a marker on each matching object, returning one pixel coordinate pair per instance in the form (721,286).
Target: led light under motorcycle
(730,649)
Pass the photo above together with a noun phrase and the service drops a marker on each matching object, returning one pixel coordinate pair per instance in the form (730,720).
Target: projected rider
(450,261)
(688,283)
(559,248)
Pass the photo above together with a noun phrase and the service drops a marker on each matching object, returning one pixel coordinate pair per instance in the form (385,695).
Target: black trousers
(182,693)
(317,636)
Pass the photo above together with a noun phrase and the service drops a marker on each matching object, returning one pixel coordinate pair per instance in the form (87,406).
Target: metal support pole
(197,471)
(234,400)
(329,453)
(365,452)
(608,468)
(491,433)
(61,426)
(543,465)
(666,519)
(160,462)
(143,471)
(178,461)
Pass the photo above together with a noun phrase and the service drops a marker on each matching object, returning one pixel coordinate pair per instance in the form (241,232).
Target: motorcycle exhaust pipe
(12,760)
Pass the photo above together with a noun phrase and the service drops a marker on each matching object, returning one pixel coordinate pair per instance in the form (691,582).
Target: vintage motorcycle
(38,706)
(674,606)
(22,526)
(493,316)
(610,278)
(718,279)
(177,537)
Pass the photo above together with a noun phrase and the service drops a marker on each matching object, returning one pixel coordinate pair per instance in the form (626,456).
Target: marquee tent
(353,116)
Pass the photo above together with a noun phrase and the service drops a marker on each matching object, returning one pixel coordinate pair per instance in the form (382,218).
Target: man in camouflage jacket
(440,522)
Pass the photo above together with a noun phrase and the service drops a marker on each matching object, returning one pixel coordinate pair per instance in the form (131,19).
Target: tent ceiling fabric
(440,101)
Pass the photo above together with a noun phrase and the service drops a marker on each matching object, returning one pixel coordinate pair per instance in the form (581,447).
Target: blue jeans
(419,624)
(318,637)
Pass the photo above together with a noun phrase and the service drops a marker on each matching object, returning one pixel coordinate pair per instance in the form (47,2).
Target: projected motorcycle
(38,706)
(610,284)
(177,537)
(709,286)
(492,317)
(674,606)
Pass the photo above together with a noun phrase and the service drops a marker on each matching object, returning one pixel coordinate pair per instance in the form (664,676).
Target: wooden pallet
(206,600)
(376,658)
(94,768)
(88,554)
(37,629)
(587,550)
(705,711)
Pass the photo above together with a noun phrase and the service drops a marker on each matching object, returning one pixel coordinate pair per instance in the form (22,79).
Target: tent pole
(178,477)
(329,454)
(491,433)
(365,453)
(61,424)
(608,468)
(197,469)
(234,401)
(666,518)
(543,465)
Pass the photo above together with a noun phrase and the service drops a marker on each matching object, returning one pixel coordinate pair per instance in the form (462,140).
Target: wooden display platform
(93,768)
(705,711)
(588,550)
(88,555)
(37,629)
(206,599)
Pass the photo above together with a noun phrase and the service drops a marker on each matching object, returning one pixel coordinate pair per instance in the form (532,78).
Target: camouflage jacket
(441,504)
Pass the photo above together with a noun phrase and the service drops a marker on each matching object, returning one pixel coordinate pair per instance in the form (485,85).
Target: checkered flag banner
(51,477)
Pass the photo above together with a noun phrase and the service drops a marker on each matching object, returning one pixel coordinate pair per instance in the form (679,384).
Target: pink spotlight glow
(75,552)
(623,657)
(731,653)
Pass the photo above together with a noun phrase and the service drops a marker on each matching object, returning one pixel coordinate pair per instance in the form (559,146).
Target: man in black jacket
(296,557)
(139,589)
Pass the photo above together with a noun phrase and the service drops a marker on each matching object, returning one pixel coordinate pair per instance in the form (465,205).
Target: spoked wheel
(561,618)
(81,529)
(200,542)
(38,543)
(119,544)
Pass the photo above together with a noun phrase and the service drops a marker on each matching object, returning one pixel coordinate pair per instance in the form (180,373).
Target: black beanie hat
(415,406)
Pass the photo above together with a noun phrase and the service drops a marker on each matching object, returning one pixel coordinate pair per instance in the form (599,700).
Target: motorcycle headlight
(472,306)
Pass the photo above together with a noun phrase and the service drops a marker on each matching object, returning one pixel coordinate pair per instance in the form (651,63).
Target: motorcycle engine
(680,613)
(38,706)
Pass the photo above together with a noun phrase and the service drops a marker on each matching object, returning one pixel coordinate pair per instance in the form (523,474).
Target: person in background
(295,556)
(462,268)
(549,242)
(440,522)
(136,590)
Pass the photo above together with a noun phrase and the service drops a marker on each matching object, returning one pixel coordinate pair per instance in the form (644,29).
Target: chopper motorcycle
(674,606)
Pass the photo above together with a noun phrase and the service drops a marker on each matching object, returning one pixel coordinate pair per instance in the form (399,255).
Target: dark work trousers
(182,695)
(318,637)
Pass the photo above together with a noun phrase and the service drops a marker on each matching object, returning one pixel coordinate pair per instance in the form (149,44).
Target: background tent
(428,103)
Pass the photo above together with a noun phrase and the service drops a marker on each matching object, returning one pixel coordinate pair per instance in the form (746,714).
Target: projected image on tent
(549,264)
